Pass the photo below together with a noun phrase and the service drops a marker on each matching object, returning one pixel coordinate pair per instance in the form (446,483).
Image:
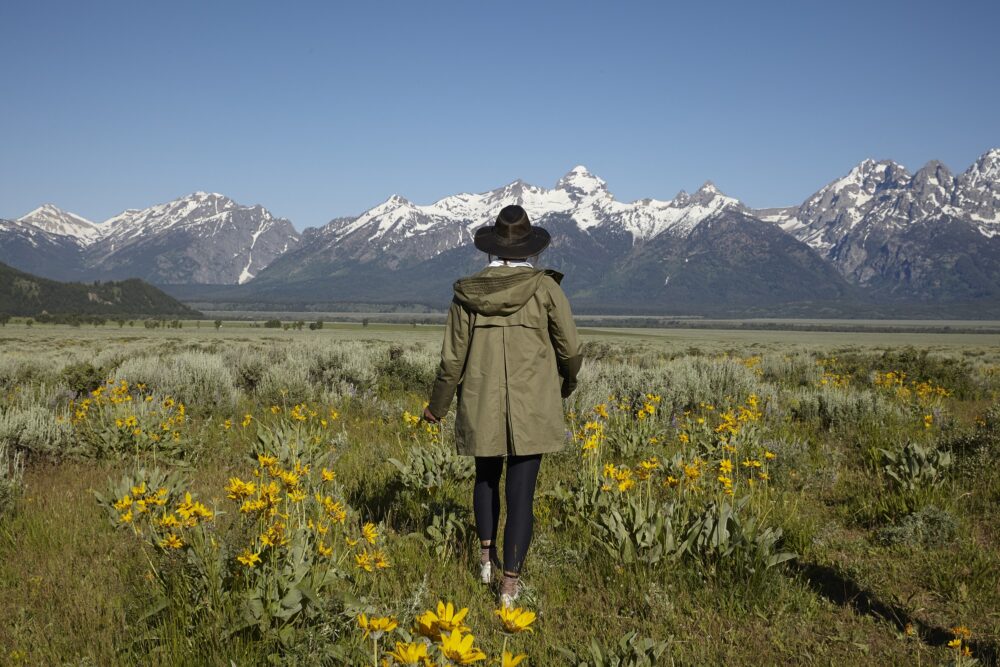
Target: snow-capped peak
(978,192)
(987,166)
(579,196)
(580,183)
(195,207)
(395,200)
(54,220)
(708,195)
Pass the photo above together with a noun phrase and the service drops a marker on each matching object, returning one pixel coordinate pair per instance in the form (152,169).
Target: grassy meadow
(251,496)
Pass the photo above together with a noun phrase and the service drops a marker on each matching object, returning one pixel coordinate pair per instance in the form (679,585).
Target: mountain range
(876,240)
(203,238)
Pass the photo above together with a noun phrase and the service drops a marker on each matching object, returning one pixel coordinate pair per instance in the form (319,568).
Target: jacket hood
(500,292)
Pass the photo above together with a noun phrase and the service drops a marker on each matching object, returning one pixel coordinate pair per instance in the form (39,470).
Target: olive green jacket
(511,352)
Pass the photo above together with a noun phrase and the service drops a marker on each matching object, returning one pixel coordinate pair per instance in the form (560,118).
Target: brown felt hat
(512,235)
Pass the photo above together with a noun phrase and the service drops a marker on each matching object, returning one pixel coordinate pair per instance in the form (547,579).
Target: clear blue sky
(325,109)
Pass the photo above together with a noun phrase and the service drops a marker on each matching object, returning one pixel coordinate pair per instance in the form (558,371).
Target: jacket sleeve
(562,331)
(453,354)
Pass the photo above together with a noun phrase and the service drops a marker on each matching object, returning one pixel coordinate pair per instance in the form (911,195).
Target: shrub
(15,371)
(249,369)
(953,373)
(344,369)
(400,373)
(35,431)
(81,377)
(929,527)
(197,379)
(835,406)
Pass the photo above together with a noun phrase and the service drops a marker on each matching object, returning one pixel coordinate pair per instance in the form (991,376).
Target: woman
(511,352)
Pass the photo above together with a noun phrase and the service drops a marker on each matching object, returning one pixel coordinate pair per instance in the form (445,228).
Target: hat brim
(535,242)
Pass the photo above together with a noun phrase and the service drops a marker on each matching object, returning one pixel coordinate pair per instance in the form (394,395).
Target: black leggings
(522,471)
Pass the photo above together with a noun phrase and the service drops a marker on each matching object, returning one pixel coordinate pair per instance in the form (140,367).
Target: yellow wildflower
(378,624)
(171,541)
(238,489)
(410,653)
(363,561)
(516,619)
(249,558)
(459,649)
(510,660)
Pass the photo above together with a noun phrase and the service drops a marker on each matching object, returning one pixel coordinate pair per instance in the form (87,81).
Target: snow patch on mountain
(53,220)
(579,195)
(881,197)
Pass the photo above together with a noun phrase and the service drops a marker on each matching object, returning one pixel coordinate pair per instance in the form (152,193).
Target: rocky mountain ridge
(884,232)
(200,238)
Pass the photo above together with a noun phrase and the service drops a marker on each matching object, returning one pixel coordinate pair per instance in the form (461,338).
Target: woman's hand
(429,416)
(568,386)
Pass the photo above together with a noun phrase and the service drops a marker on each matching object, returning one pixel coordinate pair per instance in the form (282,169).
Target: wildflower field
(239,496)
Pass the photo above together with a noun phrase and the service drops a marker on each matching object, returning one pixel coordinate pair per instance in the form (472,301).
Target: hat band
(510,240)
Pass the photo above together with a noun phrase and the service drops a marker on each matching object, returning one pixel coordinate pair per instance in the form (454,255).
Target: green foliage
(398,372)
(429,468)
(630,651)
(81,377)
(976,445)
(638,530)
(918,364)
(915,466)
(429,476)
(727,534)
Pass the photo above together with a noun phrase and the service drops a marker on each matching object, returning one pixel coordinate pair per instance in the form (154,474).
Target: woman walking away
(511,352)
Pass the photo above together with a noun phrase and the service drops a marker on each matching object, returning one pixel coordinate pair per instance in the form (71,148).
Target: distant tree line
(297,325)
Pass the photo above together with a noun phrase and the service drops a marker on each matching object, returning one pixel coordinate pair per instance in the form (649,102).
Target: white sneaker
(507,600)
(486,573)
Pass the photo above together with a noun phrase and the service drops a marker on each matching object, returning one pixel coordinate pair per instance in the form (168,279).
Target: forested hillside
(23,294)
